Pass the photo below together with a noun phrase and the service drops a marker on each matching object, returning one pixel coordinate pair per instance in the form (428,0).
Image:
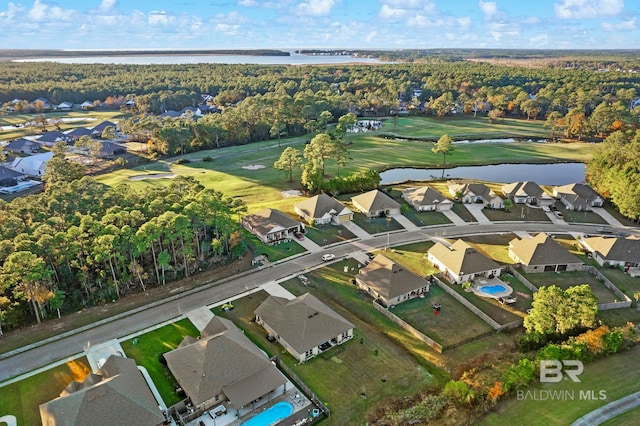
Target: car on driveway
(299,236)
(558,214)
(546,209)
(328,257)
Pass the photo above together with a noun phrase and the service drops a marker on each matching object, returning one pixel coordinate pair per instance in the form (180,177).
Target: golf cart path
(609,411)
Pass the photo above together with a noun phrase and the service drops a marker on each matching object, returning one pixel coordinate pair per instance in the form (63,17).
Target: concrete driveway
(406,223)
(607,216)
(476,211)
(356,230)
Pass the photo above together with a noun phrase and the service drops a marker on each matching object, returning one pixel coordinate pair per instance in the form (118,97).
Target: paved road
(71,345)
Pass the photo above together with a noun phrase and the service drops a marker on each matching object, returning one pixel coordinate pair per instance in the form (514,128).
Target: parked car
(299,236)
(558,214)
(328,257)
(605,230)
(546,209)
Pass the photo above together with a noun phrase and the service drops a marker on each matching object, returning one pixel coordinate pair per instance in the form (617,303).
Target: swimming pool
(279,411)
(492,289)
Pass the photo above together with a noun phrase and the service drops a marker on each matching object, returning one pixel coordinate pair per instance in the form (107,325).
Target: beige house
(116,394)
(376,203)
(271,226)
(461,262)
(527,193)
(323,209)
(475,193)
(623,252)
(304,326)
(542,254)
(223,365)
(578,196)
(390,282)
(425,199)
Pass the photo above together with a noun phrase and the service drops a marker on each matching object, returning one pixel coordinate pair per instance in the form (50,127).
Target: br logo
(552,371)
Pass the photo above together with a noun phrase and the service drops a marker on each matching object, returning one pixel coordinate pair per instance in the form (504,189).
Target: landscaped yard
(418,218)
(376,225)
(327,234)
(413,257)
(273,252)
(517,212)
(22,399)
(464,213)
(617,375)
(454,323)
(568,279)
(380,350)
(147,349)
(580,217)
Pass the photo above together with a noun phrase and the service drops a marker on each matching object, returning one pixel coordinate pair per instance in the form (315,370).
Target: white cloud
(159,18)
(371,36)
(315,7)
(107,5)
(8,16)
(627,25)
(416,10)
(248,3)
(488,8)
(584,9)
(464,21)
(41,12)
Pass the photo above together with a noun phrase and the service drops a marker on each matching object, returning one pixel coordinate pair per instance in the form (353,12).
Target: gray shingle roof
(375,200)
(270,220)
(319,205)
(524,189)
(225,362)
(577,193)
(615,249)
(389,279)
(462,258)
(541,250)
(304,322)
(424,196)
(116,395)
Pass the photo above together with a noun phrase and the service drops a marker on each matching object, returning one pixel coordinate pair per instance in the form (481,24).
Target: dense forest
(81,243)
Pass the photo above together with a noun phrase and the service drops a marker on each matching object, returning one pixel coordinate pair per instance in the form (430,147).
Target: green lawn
(630,418)
(147,349)
(454,323)
(464,214)
(568,279)
(517,213)
(617,375)
(21,399)
(379,350)
(327,234)
(580,217)
(273,252)
(502,314)
(413,257)
(494,246)
(418,218)
(376,225)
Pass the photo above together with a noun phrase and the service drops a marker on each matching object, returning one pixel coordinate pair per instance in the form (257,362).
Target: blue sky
(282,24)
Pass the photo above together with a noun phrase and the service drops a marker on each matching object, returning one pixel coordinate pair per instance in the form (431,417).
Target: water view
(543,174)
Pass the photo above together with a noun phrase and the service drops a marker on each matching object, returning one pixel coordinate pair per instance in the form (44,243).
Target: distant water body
(160,59)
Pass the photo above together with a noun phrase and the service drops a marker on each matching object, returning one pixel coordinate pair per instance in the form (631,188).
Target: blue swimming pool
(492,289)
(279,411)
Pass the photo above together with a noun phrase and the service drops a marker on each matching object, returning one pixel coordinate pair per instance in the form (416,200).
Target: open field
(21,399)
(617,375)
(568,279)
(379,350)
(147,349)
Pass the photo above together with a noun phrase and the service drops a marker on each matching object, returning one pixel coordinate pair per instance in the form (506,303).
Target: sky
(341,24)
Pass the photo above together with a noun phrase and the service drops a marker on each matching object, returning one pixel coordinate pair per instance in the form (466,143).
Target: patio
(492,287)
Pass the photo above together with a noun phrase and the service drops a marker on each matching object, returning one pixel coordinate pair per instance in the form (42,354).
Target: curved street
(39,355)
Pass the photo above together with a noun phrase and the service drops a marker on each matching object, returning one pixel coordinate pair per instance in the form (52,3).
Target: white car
(546,209)
(328,257)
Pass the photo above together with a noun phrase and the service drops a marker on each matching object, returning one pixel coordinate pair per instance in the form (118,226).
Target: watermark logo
(552,371)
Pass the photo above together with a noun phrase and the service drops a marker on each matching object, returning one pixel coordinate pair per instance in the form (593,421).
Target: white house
(33,165)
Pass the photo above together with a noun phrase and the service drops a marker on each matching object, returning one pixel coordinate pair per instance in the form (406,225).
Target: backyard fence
(408,327)
(522,279)
(302,386)
(625,301)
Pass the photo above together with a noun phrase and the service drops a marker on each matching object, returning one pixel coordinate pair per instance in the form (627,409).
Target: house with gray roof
(389,282)
(99,128)
(78,132)
(323,209)
(470,192)
(23,146)
(304,326)
(462,262)
(223,365)
(578,196)
(425,199)
(623,252)
(271,226)
(542,254)
(116,394)
(527,193)
(9,177)
(376,203)
(33,165)
(50,138)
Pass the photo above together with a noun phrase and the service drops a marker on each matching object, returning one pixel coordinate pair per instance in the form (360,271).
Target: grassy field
(630,418)
(580,217)
(413,257)
(21,399)
(147,349)
(568,279)
(376,225)
(464,213)
(617,375)
(327,234)
(494,246)
(517,213)
(379,350)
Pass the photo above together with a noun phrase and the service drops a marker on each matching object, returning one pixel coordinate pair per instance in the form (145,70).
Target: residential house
(78,132)
(304,326)
(475,193)
(271,226)
(49,139)
(86,105)
(376,203)
(542,254)
(389,282)
(22,145)
(462,262)
(116,394)
(578,196)
(111,149)
(527,193)
(623,252)
(99,128)
(33,165)
(223,365)
(43,103)
(323,209)
(9,177)
(426,198)
(64,106)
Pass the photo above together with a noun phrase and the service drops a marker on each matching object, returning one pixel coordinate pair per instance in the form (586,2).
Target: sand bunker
(153,176)
(254,167)
(291,193)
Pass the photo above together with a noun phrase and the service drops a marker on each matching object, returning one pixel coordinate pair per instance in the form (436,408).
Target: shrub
(458,391)
(183,161)
(207,159)
(520,375)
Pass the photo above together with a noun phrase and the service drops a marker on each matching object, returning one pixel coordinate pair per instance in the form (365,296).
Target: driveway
(454,218)
(356,230)
(607,216)
(308,244)
(406,223)
(476,211)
